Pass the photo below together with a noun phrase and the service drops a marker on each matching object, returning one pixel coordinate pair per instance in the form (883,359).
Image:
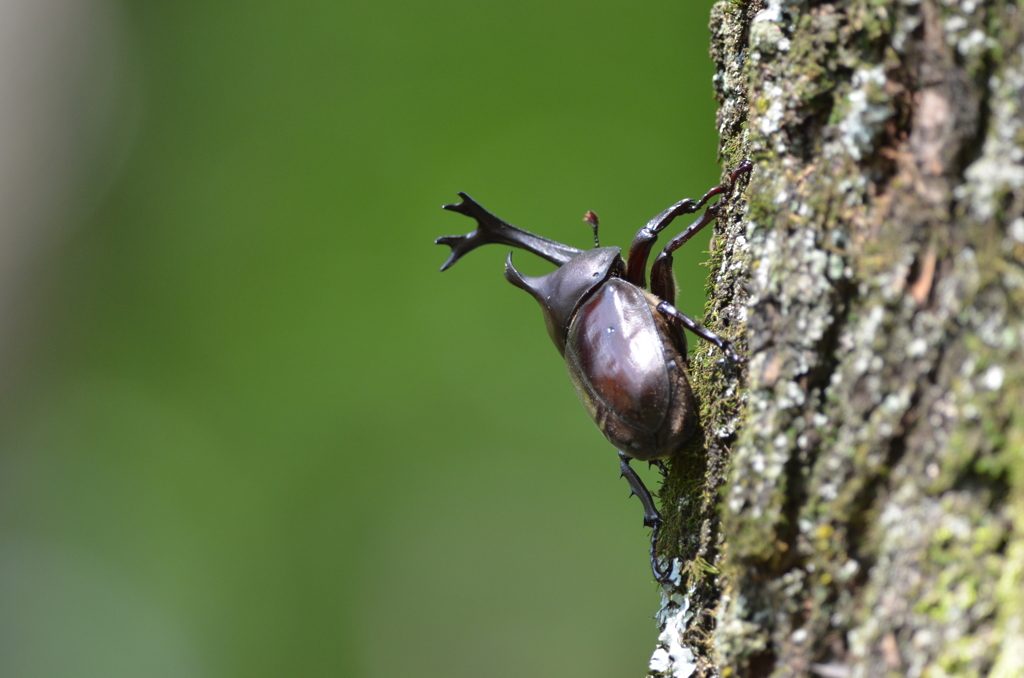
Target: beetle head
(561,292)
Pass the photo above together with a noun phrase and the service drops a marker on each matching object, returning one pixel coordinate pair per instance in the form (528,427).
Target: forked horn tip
(453,256)
(460,207)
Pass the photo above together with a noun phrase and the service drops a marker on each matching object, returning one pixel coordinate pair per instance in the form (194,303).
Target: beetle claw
(659,576)
(732,355)
(661,466)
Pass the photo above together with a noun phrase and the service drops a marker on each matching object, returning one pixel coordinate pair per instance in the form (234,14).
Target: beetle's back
(629,373)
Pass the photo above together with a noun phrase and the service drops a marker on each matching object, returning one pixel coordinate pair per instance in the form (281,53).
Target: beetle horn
(517,278)
(542,288)
(491,229)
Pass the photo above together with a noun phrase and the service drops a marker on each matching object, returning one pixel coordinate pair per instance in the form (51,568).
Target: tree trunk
(857,506)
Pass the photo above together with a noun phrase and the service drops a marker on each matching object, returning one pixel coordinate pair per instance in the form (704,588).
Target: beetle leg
(661,466)
(672,313)
(491,229)
(652,518)
(659,576)
(638,489)
(643,241)
(663,282)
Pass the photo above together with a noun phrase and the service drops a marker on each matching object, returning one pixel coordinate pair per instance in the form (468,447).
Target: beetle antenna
(591,218)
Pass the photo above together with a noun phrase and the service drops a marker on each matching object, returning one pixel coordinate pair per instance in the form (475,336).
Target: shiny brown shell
(630,373)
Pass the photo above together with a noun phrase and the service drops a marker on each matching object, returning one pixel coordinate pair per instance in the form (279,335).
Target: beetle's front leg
(652,518)
(643,241)
(663,281)
(672,313)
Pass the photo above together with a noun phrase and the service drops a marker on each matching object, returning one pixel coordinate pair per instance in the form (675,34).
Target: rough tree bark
(856,507)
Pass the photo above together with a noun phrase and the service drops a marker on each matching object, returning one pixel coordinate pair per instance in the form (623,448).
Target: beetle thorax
(561,292)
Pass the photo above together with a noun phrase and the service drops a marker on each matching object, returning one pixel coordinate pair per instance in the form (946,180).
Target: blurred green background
(247,427)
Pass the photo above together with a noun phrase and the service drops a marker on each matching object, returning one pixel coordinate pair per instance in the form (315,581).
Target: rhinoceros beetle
(623,345)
